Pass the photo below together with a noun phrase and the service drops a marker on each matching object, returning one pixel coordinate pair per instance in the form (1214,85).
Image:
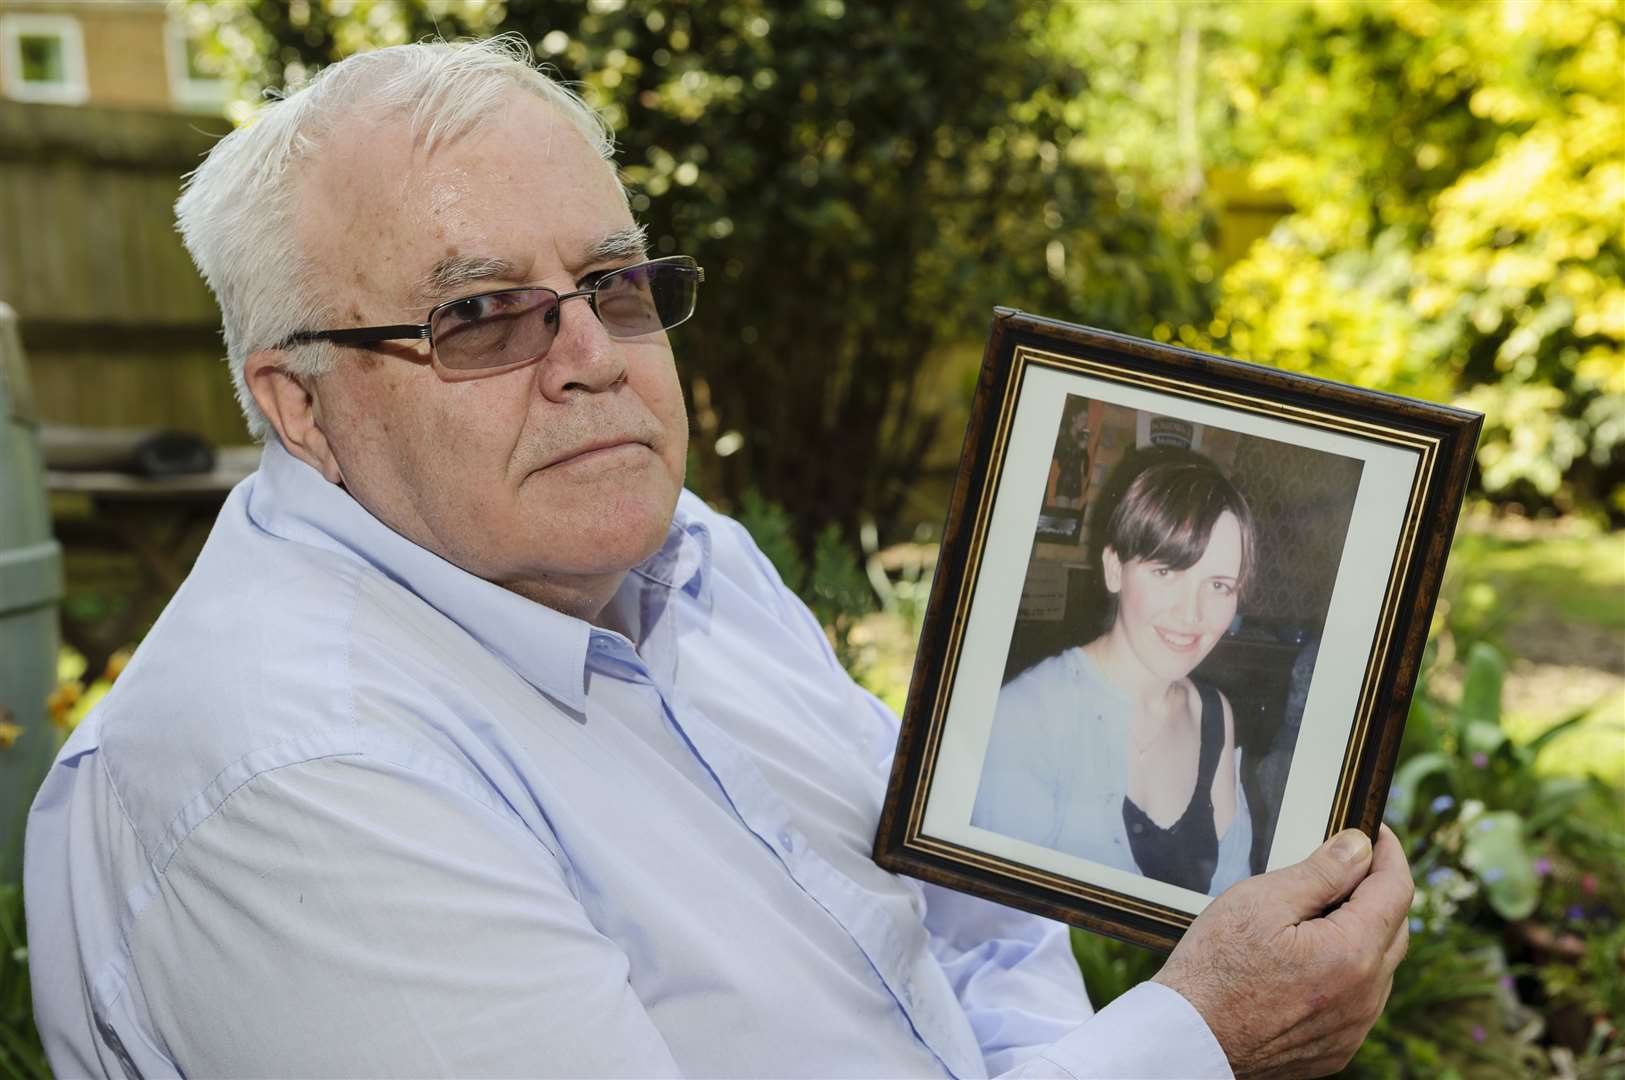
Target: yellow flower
(9,734)
(62,700)
(116,664)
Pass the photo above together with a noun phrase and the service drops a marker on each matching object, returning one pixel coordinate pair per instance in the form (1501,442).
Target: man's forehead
(416,224)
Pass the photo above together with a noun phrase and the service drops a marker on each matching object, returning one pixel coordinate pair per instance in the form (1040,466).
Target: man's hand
(1287,988)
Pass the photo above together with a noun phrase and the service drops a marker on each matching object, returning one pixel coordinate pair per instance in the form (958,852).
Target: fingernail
(1351,846)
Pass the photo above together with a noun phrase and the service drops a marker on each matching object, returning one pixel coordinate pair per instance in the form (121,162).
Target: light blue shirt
(353,811)
(1055,773)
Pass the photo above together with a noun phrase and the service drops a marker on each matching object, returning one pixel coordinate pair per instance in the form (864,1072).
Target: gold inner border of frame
(1427,451)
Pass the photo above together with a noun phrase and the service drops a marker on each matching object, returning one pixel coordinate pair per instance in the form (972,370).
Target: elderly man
(474,746)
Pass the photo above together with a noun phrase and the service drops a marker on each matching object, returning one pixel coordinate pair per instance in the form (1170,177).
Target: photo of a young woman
(1111,751)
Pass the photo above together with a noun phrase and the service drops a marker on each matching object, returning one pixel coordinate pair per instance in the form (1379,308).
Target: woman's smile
(1177,641)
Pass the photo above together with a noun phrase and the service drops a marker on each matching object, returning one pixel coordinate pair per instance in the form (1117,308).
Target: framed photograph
(1175,627)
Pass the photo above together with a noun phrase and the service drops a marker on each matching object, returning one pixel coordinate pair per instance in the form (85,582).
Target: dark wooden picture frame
(1407,464)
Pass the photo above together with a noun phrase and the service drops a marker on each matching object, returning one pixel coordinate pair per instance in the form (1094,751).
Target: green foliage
(883,644)
(1595,986)
(834,587)
(771,527)
(1494,851)
(1576,578)
(838,589)
(1459,181)
(1112,968)
(1551,598)
(1478,807)
(21,1055)
(1507,860)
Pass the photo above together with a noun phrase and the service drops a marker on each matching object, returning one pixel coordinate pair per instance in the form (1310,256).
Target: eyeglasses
(494,331)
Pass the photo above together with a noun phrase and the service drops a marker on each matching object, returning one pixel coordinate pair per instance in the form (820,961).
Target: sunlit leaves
(1464,161)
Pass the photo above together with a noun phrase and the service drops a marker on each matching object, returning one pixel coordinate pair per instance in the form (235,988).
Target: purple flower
(1440,875)
(1576,912)
(1485,826)
(1543,866)
(1509,982)
(1416,925)
(1493,874)
(1441,804)
(1478,1033)
(1480,759)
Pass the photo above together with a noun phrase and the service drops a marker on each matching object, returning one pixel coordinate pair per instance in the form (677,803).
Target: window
(42,58)
(191,84)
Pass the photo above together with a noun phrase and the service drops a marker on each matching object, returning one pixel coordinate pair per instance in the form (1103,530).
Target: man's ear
(1112,567)
(289,402)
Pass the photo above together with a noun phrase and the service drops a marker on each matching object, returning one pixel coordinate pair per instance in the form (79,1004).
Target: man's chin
(613,532)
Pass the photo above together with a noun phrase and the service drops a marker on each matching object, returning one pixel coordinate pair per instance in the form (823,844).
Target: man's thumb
(1326,876)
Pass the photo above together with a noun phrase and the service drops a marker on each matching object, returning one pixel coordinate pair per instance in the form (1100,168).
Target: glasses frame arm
(366,335)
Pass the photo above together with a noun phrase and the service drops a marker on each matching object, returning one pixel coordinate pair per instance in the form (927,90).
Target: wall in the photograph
(1301,500)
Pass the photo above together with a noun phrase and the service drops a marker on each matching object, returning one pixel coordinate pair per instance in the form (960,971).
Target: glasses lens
(647,298)
(497,329)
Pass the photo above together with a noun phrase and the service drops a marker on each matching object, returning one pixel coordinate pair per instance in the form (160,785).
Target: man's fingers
(1398,946)
(1325,877)
(1382,901)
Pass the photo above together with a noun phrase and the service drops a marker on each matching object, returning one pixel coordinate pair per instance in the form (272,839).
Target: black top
(1187,852)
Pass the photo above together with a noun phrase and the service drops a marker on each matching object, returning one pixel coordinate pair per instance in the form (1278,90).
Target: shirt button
(786,841)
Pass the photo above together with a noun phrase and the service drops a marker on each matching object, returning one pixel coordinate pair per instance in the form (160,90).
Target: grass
(1571,574)
(1551,596)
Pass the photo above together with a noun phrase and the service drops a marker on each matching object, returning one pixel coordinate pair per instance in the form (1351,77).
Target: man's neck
(584,598)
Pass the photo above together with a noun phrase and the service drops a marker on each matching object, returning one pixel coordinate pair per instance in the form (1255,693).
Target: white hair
(236,213)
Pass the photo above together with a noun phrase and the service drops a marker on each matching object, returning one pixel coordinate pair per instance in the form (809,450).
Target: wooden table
(161,522)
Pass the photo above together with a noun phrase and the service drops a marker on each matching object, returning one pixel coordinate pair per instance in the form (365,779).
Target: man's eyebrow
(456,272)
(631,242)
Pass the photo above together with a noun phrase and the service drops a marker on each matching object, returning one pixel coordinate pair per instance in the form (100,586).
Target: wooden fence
(118,328)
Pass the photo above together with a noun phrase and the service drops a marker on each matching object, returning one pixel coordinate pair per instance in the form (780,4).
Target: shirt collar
(291,500)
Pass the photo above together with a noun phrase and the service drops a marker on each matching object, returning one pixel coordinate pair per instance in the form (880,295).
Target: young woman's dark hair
(1160,505)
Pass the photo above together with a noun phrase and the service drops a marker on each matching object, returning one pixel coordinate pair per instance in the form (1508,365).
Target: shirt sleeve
(1150,1033)
(1013,973)
(347,917)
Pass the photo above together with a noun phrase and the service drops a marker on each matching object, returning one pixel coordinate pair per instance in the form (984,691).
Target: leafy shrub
(1458,181)
(21,1055)
(1511,867)
(834,586)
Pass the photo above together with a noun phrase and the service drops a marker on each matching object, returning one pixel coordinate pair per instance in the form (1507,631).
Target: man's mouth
(1177,641)
(600,450)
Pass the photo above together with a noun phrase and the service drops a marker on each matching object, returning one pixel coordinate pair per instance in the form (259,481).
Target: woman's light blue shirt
(1056,771)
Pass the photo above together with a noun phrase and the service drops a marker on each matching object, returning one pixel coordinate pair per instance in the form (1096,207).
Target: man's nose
(583,357)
